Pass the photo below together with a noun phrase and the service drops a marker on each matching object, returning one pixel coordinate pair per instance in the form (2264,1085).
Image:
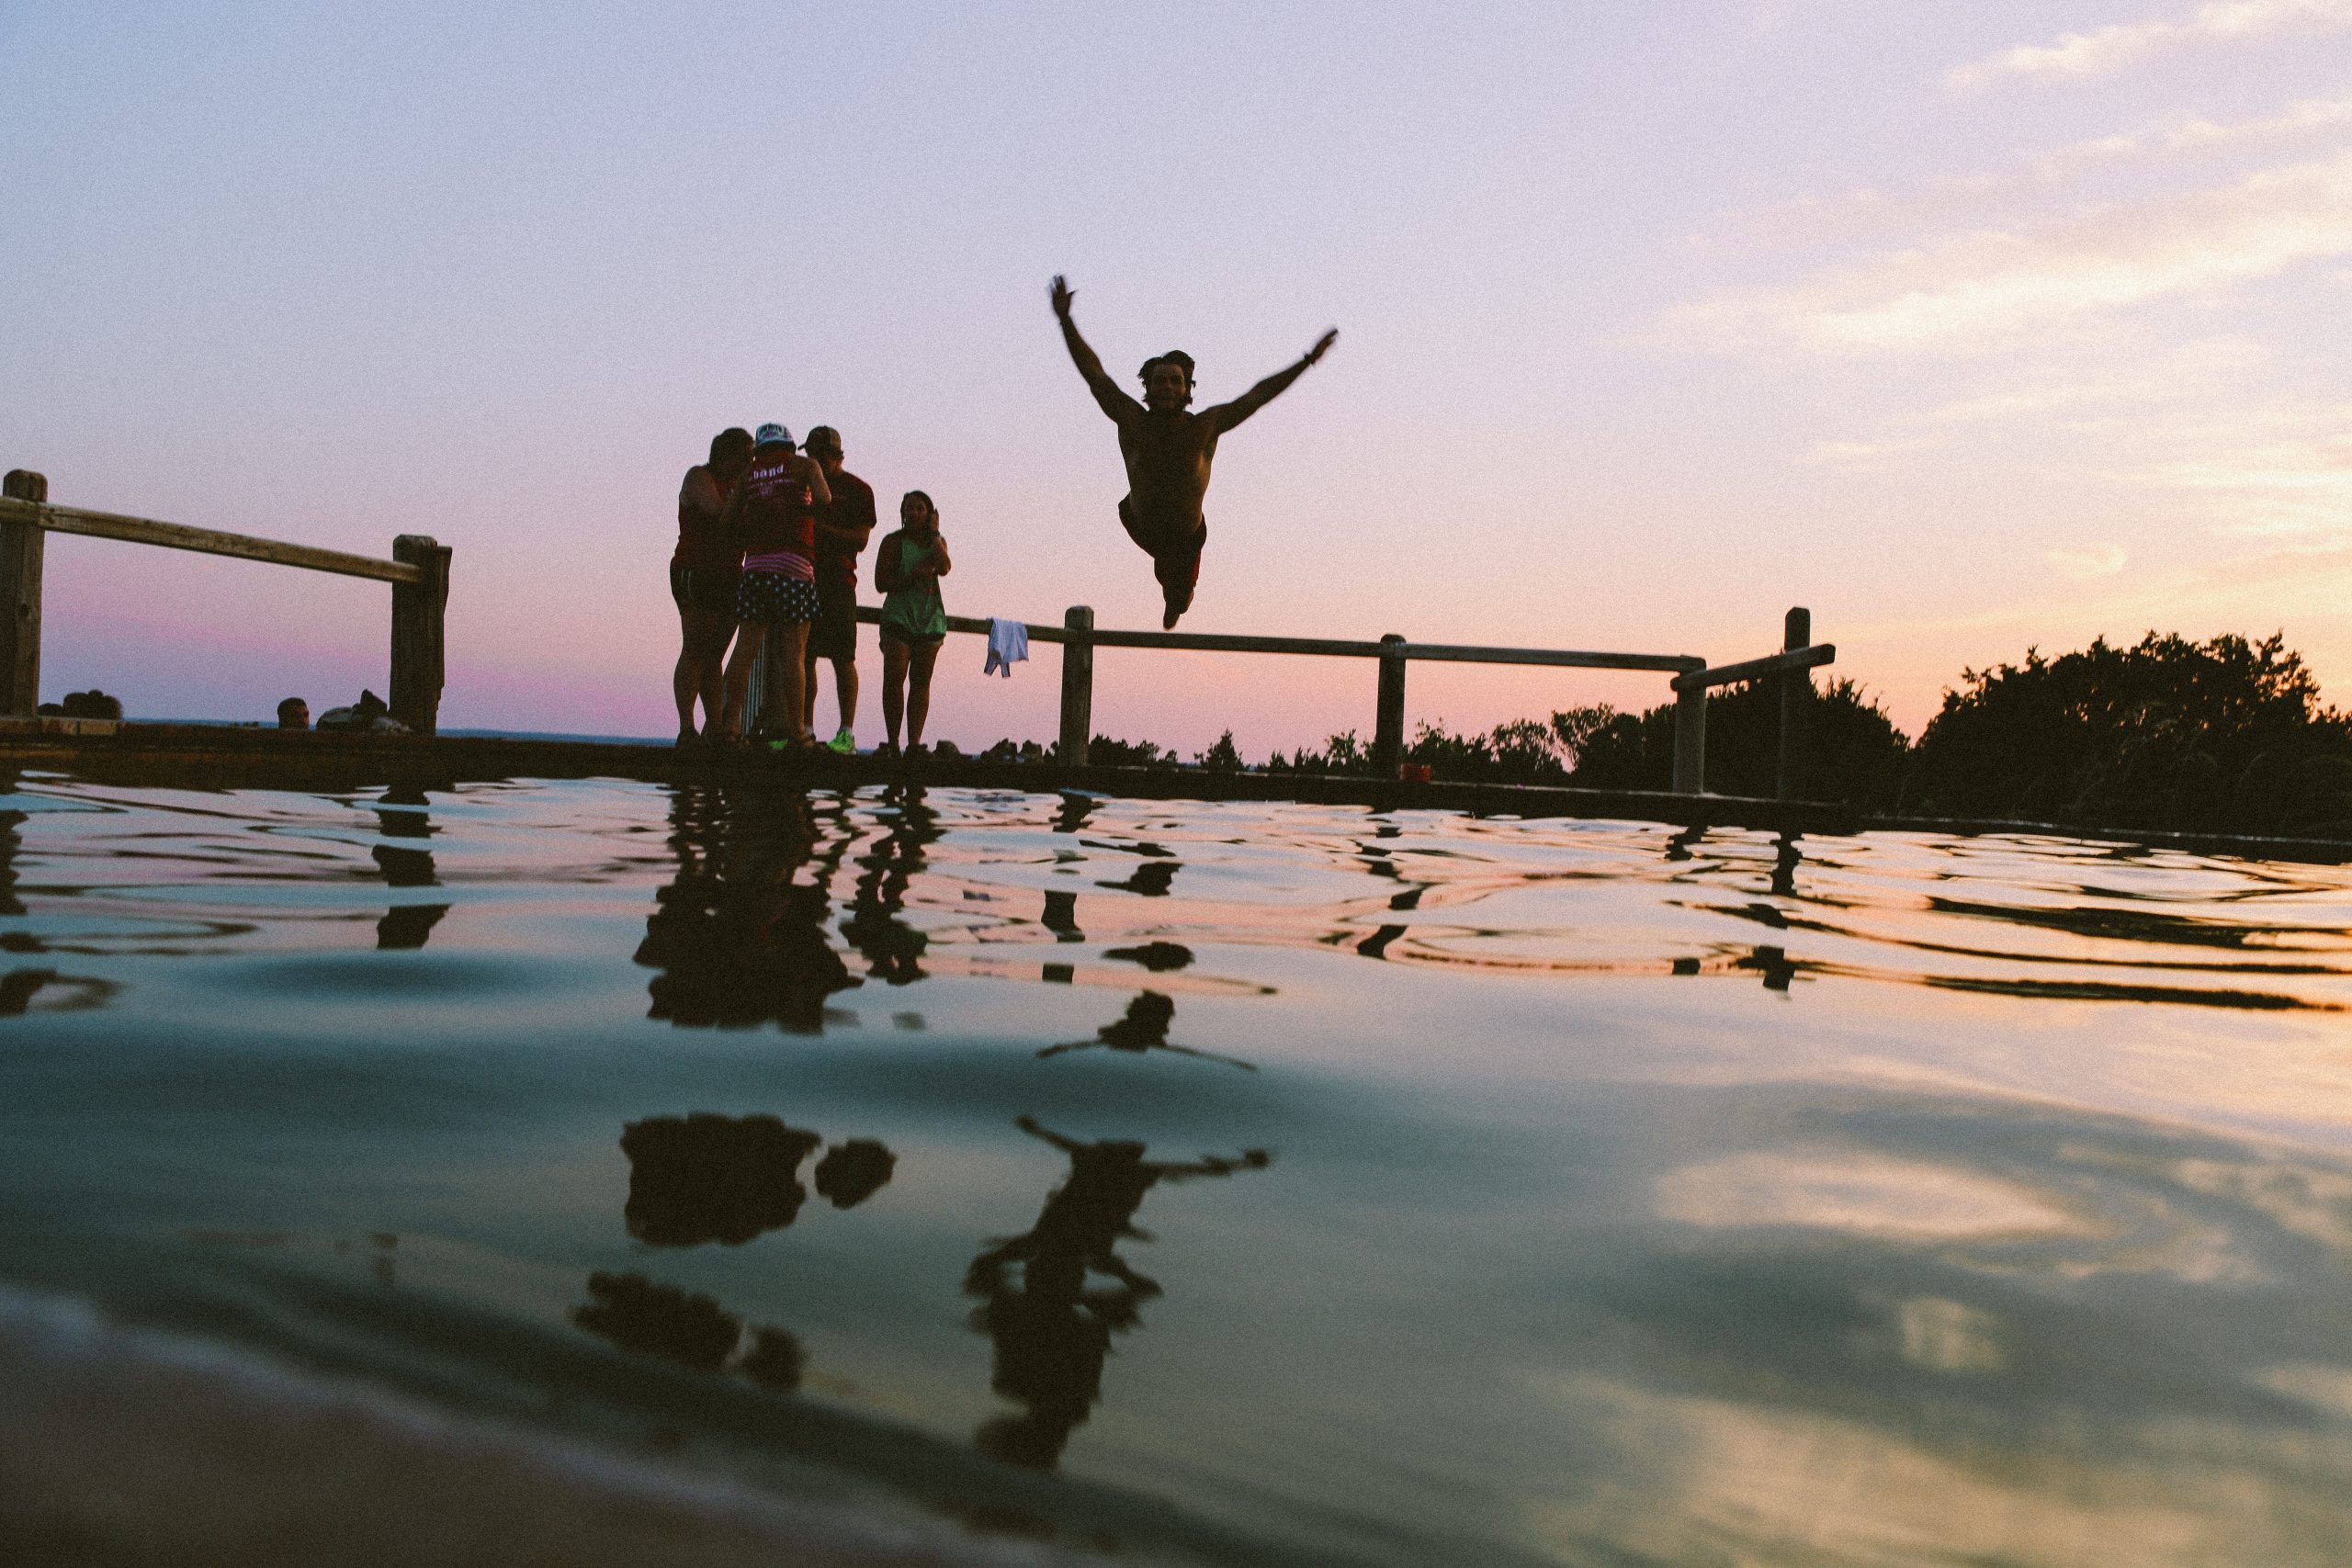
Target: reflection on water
(1656,1197)
(885,869)
(1143,1027)
(739,933)
(1050,1330)
(693,1331)
(709,1177)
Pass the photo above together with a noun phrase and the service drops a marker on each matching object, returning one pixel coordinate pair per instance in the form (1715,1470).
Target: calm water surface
(1241,1183)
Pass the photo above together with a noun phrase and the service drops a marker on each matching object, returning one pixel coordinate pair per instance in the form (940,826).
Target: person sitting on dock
(704,573)
(775,509)
(843,529)
(1168,449)
(907,570)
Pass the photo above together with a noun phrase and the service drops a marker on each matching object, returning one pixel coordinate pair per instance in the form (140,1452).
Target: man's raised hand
(1061,295)
(1322,344)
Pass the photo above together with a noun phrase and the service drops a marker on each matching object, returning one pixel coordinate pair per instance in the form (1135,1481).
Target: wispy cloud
(1963,291)
(2035,177)
(2090,562)
(2126,43)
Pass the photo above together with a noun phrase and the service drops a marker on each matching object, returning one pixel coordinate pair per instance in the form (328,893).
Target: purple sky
(1972,328)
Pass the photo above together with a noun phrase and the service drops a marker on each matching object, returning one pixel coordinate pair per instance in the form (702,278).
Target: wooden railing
(1692,676)
(418,572)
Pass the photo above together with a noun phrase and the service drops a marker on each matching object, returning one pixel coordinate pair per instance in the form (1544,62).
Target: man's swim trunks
(1177,566)
(834,633)
(771,599)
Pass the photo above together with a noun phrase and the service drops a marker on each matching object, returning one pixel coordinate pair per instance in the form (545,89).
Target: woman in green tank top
(906,571)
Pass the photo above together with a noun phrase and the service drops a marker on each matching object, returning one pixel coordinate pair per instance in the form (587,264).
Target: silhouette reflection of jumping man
(1144,1027)
(1051,1333)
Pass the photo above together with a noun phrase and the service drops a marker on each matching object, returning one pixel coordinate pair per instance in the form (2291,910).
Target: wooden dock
(197,756)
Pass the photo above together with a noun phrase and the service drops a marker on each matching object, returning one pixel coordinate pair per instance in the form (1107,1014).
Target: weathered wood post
(1077,685)
(416,632)
(1691,741)
(1388,719)
(21,557)
(1796,692)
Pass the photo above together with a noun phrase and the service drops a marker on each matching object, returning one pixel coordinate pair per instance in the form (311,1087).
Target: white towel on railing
(1008,645)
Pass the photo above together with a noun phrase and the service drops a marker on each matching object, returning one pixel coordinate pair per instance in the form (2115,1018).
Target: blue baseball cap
(771,435)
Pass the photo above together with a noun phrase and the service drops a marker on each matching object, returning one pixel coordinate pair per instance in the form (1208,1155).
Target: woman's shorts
(893,632)
(709,588)
(771,599)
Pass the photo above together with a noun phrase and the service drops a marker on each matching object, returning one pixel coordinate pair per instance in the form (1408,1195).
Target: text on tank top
(779,518)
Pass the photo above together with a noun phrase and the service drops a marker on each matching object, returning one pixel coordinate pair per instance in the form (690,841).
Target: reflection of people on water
(1051,1333)
(1144,1026)
(707,1177)
(693,1331)
(739,941)
(893,947)
(852,1172)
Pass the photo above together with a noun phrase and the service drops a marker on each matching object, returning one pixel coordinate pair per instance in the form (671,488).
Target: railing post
(1388,719)
(1796,690)
(416,633)
(1690,741)
(1077,685)
(20,556)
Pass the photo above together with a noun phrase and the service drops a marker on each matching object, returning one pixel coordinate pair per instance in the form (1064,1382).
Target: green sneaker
(846,743)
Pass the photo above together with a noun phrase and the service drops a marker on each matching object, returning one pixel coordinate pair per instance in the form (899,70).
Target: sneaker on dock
(846,743)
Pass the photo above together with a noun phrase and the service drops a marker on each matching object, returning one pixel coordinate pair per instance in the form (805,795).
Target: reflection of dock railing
(1080,638)
(418,572)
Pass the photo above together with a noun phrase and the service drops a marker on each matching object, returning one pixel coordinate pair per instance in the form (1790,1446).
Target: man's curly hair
(1175,356)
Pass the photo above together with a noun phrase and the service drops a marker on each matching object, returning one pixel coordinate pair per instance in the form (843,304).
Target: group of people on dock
(769,536)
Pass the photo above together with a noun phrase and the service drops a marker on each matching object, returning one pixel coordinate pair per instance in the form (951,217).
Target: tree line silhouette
(2225,736)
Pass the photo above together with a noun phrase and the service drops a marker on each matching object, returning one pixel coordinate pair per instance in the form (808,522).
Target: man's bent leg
(1179,571)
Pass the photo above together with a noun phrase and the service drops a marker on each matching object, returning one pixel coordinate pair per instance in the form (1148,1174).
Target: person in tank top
(774,512)
(907,570)
(704,570)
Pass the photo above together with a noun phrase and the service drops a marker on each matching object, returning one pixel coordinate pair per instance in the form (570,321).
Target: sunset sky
(1972,327)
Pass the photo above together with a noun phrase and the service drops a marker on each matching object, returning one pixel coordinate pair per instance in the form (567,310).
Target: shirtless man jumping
(1169,450)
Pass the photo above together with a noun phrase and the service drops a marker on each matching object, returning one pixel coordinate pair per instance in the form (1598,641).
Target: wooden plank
(1690,741)
(1388,716)
(1796,688)
(418,620)
(1078,685)
(20,574)
(204,541)
(1668,663)
(1757,668)
(1335,648)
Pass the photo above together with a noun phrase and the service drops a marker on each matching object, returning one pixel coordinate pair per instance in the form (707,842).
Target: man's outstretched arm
(1227,415)
(1114,402)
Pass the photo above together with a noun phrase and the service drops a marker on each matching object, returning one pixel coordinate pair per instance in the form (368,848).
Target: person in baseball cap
(843,525)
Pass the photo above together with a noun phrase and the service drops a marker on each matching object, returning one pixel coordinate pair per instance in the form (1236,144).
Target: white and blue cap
(771,435)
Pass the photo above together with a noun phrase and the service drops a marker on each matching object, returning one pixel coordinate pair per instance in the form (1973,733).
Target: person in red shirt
(703,574)
(774,509)
(843,529)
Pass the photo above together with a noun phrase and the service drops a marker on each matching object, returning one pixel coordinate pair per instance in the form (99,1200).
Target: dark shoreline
(205,756)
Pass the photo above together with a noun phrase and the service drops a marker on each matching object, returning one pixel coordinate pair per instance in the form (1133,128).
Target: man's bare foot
(1176,608)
